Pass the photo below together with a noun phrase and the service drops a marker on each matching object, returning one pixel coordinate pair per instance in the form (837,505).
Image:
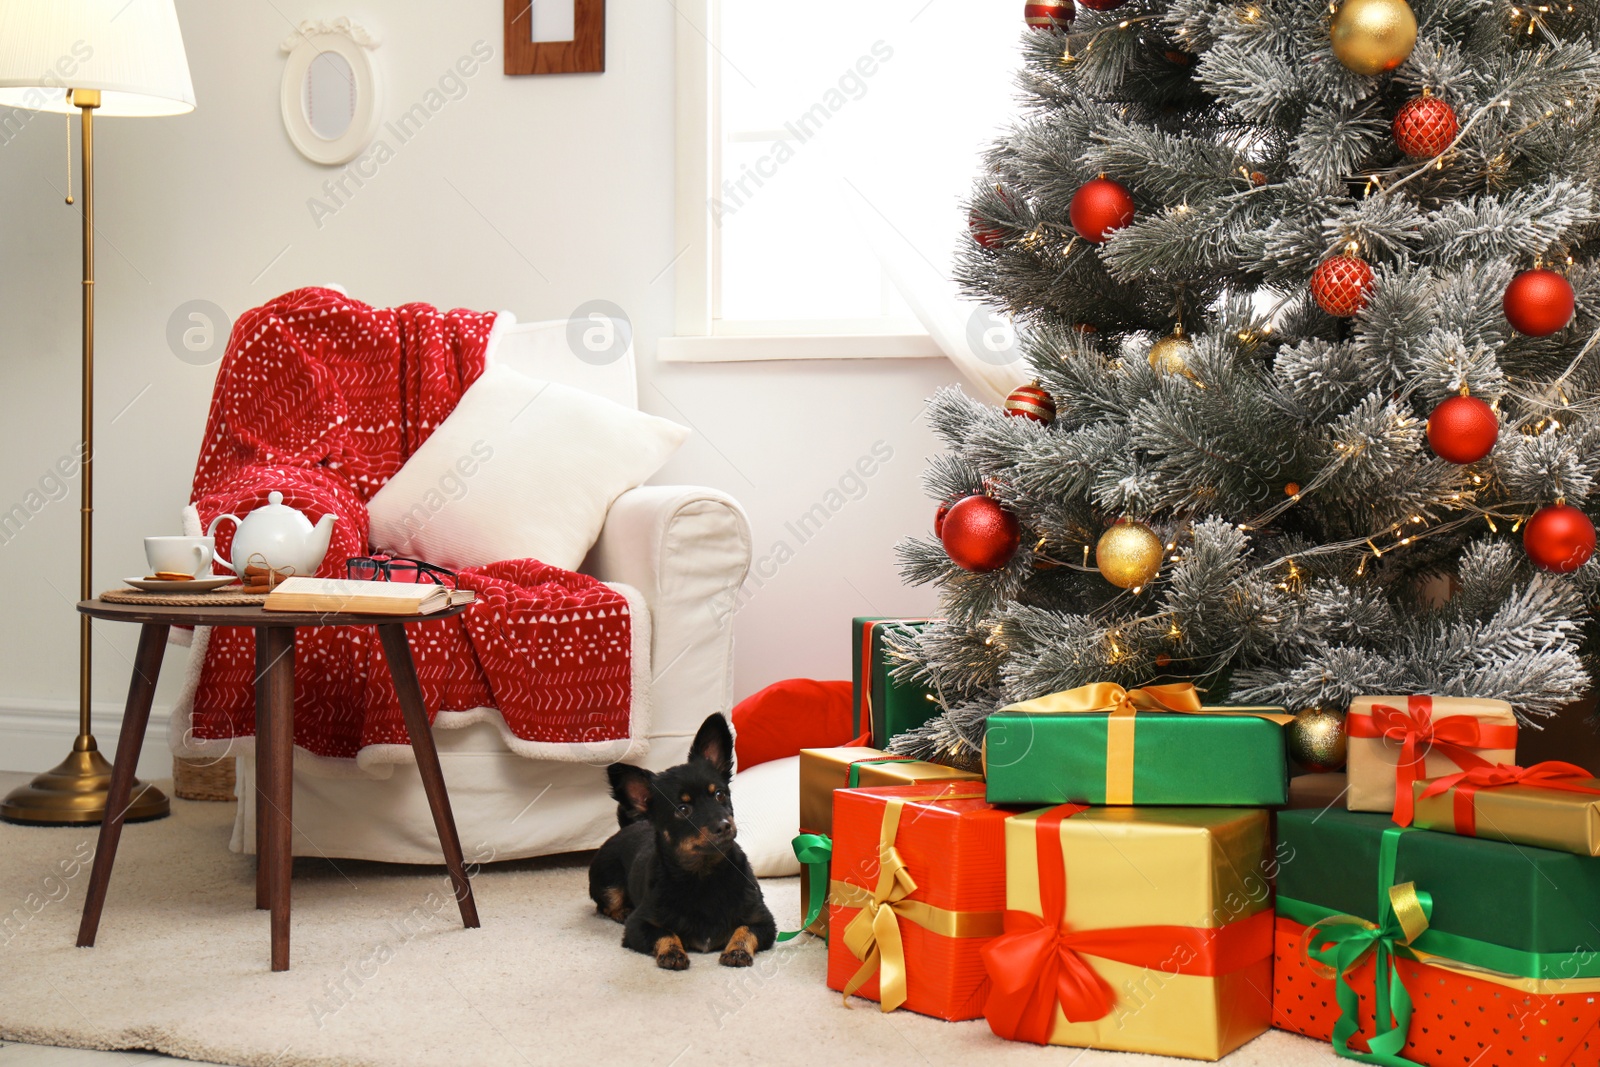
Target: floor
(46,1056)
(12,1055)
(384,976)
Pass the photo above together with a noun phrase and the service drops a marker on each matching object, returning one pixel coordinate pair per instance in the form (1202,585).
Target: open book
(365,598)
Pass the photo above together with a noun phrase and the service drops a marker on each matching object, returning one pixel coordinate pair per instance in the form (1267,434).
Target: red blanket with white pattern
(323,398)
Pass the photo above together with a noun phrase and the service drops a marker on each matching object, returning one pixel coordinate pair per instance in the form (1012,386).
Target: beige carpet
(383,974)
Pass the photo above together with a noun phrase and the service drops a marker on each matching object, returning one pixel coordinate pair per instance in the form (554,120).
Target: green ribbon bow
(1341,942)
(815,851)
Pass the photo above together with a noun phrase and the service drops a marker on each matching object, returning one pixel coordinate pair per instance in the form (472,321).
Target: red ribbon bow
(1551,774)
(1036,964)
(1420,733)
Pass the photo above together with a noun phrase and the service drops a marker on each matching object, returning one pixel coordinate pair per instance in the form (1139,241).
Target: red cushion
(790,715)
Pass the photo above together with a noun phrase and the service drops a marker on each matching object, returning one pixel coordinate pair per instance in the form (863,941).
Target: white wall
(533,194)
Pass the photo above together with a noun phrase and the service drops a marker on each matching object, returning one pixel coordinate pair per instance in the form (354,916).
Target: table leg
(135,717)
(278,802)
(397,650)
(263,773)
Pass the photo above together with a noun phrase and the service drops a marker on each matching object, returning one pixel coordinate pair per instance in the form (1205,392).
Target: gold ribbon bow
(1124,705)
(873,936)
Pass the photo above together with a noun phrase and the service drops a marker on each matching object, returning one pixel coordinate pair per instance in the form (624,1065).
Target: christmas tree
(1309,297)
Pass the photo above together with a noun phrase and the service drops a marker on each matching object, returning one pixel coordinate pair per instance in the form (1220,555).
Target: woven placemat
(229,596)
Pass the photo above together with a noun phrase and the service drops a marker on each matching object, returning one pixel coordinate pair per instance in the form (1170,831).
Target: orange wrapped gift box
(918,889)
(1460,1016)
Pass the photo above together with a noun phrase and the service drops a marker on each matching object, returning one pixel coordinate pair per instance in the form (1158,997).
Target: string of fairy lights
(1546,402)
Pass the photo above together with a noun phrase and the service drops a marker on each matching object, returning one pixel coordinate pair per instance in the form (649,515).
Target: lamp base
(75,791)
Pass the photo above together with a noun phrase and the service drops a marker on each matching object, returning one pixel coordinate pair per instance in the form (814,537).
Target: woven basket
(203,779)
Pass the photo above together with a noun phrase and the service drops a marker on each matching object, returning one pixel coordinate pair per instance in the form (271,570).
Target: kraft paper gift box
(1103,744)
(918,889)
(1396,740)
(1403,946)
(823,770)
(883,707)
(1135,929)
(1318,790)
(1549,805)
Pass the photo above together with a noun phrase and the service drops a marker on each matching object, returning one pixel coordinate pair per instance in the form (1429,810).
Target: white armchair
(685,549)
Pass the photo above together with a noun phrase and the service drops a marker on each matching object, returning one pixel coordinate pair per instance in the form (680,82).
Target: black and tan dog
(673,875)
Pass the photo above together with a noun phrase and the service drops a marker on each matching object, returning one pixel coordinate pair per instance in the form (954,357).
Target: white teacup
(180,555)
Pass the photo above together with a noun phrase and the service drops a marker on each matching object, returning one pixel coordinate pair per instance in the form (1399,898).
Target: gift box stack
(1108,880)
(1447,915)
(1104,882)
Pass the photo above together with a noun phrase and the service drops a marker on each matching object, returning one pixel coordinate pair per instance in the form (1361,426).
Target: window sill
(733,349)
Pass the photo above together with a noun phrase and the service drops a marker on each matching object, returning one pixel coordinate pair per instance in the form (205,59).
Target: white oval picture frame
(350,42)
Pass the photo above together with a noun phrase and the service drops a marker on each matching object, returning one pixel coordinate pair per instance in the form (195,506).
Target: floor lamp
(115,57)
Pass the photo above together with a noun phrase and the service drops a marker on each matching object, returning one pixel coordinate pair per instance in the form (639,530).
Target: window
(810,136)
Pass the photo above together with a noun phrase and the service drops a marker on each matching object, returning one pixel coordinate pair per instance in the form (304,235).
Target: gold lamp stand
(74,792)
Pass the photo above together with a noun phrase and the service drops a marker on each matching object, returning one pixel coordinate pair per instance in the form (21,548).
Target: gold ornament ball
(1128,554)
(1317,740)
(1170,355)
(1373,36)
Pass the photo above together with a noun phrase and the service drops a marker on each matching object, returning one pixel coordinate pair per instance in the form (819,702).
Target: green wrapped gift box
(1102,744)
(1509,908)
(883,707)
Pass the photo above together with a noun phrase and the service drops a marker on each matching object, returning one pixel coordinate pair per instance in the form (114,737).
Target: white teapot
(277,537)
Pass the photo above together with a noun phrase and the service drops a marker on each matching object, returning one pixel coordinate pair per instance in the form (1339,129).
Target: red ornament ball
(1463,429)
(1032,403)
(979,534)
(1539,302)
(1098,207)
(1341,285)
(1559,538)
(1424,127)
(988,235)
(1050,16)
(939,516)
(1103,5)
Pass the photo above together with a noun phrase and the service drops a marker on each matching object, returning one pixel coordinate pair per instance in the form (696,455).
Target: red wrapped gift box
(918,888)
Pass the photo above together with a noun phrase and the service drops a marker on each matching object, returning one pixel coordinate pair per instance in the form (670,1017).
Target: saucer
(193,585)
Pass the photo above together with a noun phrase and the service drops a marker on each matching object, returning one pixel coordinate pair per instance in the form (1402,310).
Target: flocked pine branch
(1317,548)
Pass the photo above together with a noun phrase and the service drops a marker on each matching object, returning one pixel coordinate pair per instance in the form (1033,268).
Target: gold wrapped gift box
(1168,909)
(1548,805)
(822,770)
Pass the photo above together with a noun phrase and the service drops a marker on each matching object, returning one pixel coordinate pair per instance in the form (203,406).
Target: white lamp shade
(130,50)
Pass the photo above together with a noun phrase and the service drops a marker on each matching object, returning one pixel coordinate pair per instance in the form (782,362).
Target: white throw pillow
(522,469)
(766,805)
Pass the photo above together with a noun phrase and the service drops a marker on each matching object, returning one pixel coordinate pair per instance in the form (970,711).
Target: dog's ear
(714,744)
(632,787)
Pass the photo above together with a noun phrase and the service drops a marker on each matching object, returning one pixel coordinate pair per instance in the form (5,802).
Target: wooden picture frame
(584,54)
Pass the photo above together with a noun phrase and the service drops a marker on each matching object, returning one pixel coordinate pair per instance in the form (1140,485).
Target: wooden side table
(275,632)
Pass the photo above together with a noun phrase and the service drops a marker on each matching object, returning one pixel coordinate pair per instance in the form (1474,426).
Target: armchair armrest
(687,550)
(675,544)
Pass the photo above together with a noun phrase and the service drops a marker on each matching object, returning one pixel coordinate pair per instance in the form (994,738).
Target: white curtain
(980,342)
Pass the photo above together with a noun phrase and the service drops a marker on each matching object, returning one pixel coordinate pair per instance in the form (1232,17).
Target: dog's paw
(735,957)
(670,955)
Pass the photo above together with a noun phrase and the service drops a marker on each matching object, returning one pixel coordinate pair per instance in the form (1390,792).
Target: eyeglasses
(397,569)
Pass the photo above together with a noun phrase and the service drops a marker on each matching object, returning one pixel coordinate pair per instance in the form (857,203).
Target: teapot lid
(275,498)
